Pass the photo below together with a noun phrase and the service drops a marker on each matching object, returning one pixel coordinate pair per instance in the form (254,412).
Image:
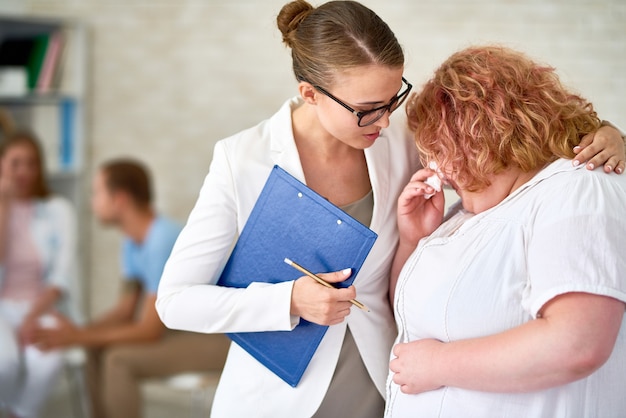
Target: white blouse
(53,230)
(563,231)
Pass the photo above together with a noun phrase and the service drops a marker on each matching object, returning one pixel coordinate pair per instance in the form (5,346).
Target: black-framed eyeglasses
(368,117)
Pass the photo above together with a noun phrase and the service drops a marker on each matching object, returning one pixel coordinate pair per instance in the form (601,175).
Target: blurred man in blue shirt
(129,343)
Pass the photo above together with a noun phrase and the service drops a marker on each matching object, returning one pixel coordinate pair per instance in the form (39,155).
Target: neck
(502,185)
(312,138)
(136,222)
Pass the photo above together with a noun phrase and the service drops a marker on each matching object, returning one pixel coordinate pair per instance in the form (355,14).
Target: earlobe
(307,92)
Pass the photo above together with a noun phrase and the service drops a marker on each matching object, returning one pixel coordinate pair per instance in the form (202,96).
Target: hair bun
(290,16)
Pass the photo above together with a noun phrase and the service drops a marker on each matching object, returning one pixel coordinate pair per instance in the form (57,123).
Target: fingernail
(590,166)
(618,170)
(576,163)
(609,168)
(576,148)
(346,271)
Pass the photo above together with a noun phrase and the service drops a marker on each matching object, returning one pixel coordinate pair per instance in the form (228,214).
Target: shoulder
(127,245)
(261,134)
(582,185)
(167,226)
(164,232)
(243,161)
(563,191)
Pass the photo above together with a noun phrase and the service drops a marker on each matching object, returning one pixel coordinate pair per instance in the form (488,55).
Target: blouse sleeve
(576,243)
(188,297)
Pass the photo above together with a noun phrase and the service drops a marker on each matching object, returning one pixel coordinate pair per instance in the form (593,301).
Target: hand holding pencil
(325,305)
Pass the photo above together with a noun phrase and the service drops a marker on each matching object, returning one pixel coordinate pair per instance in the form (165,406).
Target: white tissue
(433,181)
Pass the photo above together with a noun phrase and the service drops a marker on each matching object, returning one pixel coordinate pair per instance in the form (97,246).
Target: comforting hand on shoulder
(603,147)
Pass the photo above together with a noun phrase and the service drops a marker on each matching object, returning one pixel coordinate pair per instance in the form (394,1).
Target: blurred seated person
(129,343)
(514,306)
(37,273)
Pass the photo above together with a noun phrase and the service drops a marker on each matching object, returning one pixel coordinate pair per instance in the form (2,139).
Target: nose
(383,122)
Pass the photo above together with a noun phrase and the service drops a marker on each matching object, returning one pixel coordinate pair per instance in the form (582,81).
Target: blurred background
(165,79)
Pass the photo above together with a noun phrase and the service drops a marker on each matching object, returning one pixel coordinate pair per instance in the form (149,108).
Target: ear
(307,92)
(119,198)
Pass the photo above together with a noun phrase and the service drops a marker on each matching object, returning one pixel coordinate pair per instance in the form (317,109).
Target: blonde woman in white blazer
(320,142)
(339,138)
(186,299)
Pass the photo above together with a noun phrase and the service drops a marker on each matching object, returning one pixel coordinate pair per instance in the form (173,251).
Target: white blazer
(189,300)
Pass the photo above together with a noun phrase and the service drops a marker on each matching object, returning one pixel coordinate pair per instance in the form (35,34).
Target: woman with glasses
(339,137)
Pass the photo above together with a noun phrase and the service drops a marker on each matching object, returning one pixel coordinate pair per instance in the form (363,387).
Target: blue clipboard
(289,220)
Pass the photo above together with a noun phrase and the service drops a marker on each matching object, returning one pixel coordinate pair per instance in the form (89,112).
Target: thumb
(336,276)
(439,201)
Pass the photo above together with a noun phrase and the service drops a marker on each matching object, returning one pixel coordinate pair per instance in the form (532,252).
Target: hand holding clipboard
(291,220)
(322,282)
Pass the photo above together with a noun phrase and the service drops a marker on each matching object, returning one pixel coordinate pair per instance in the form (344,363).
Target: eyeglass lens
(368,118)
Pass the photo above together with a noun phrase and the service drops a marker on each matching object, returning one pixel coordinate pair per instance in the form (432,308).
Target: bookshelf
(50,101)
(55,112)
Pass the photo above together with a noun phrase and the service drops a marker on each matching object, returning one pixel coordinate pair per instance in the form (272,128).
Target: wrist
(294,306)
(608,123)
(406,244)
(75,337)
(439,364)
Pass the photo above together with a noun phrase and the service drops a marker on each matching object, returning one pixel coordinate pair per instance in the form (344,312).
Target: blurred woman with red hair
(527,320)
(37,274)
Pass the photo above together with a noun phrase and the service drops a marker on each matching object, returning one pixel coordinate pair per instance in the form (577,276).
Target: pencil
(322,282)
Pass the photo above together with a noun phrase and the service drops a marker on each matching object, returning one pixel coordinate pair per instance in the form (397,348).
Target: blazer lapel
(284,152)
(377,158)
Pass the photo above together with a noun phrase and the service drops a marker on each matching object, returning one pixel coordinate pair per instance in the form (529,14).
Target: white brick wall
(170,77)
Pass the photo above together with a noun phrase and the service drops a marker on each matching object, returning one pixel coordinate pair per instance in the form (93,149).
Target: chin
(106,221)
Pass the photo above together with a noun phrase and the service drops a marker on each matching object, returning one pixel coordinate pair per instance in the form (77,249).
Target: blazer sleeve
(188,297)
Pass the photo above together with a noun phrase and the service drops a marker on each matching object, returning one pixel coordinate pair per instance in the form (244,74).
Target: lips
(372,137)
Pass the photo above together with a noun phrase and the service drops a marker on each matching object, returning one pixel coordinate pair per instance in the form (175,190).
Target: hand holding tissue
(433,181)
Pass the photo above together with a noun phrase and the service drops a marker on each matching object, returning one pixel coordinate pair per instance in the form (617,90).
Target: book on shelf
(50,62)
(38,54)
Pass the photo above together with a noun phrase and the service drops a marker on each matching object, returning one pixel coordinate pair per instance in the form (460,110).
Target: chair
(74,362)
(75,359)
(202,386)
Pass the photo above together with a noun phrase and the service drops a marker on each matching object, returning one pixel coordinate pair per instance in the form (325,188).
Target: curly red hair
(490,108)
